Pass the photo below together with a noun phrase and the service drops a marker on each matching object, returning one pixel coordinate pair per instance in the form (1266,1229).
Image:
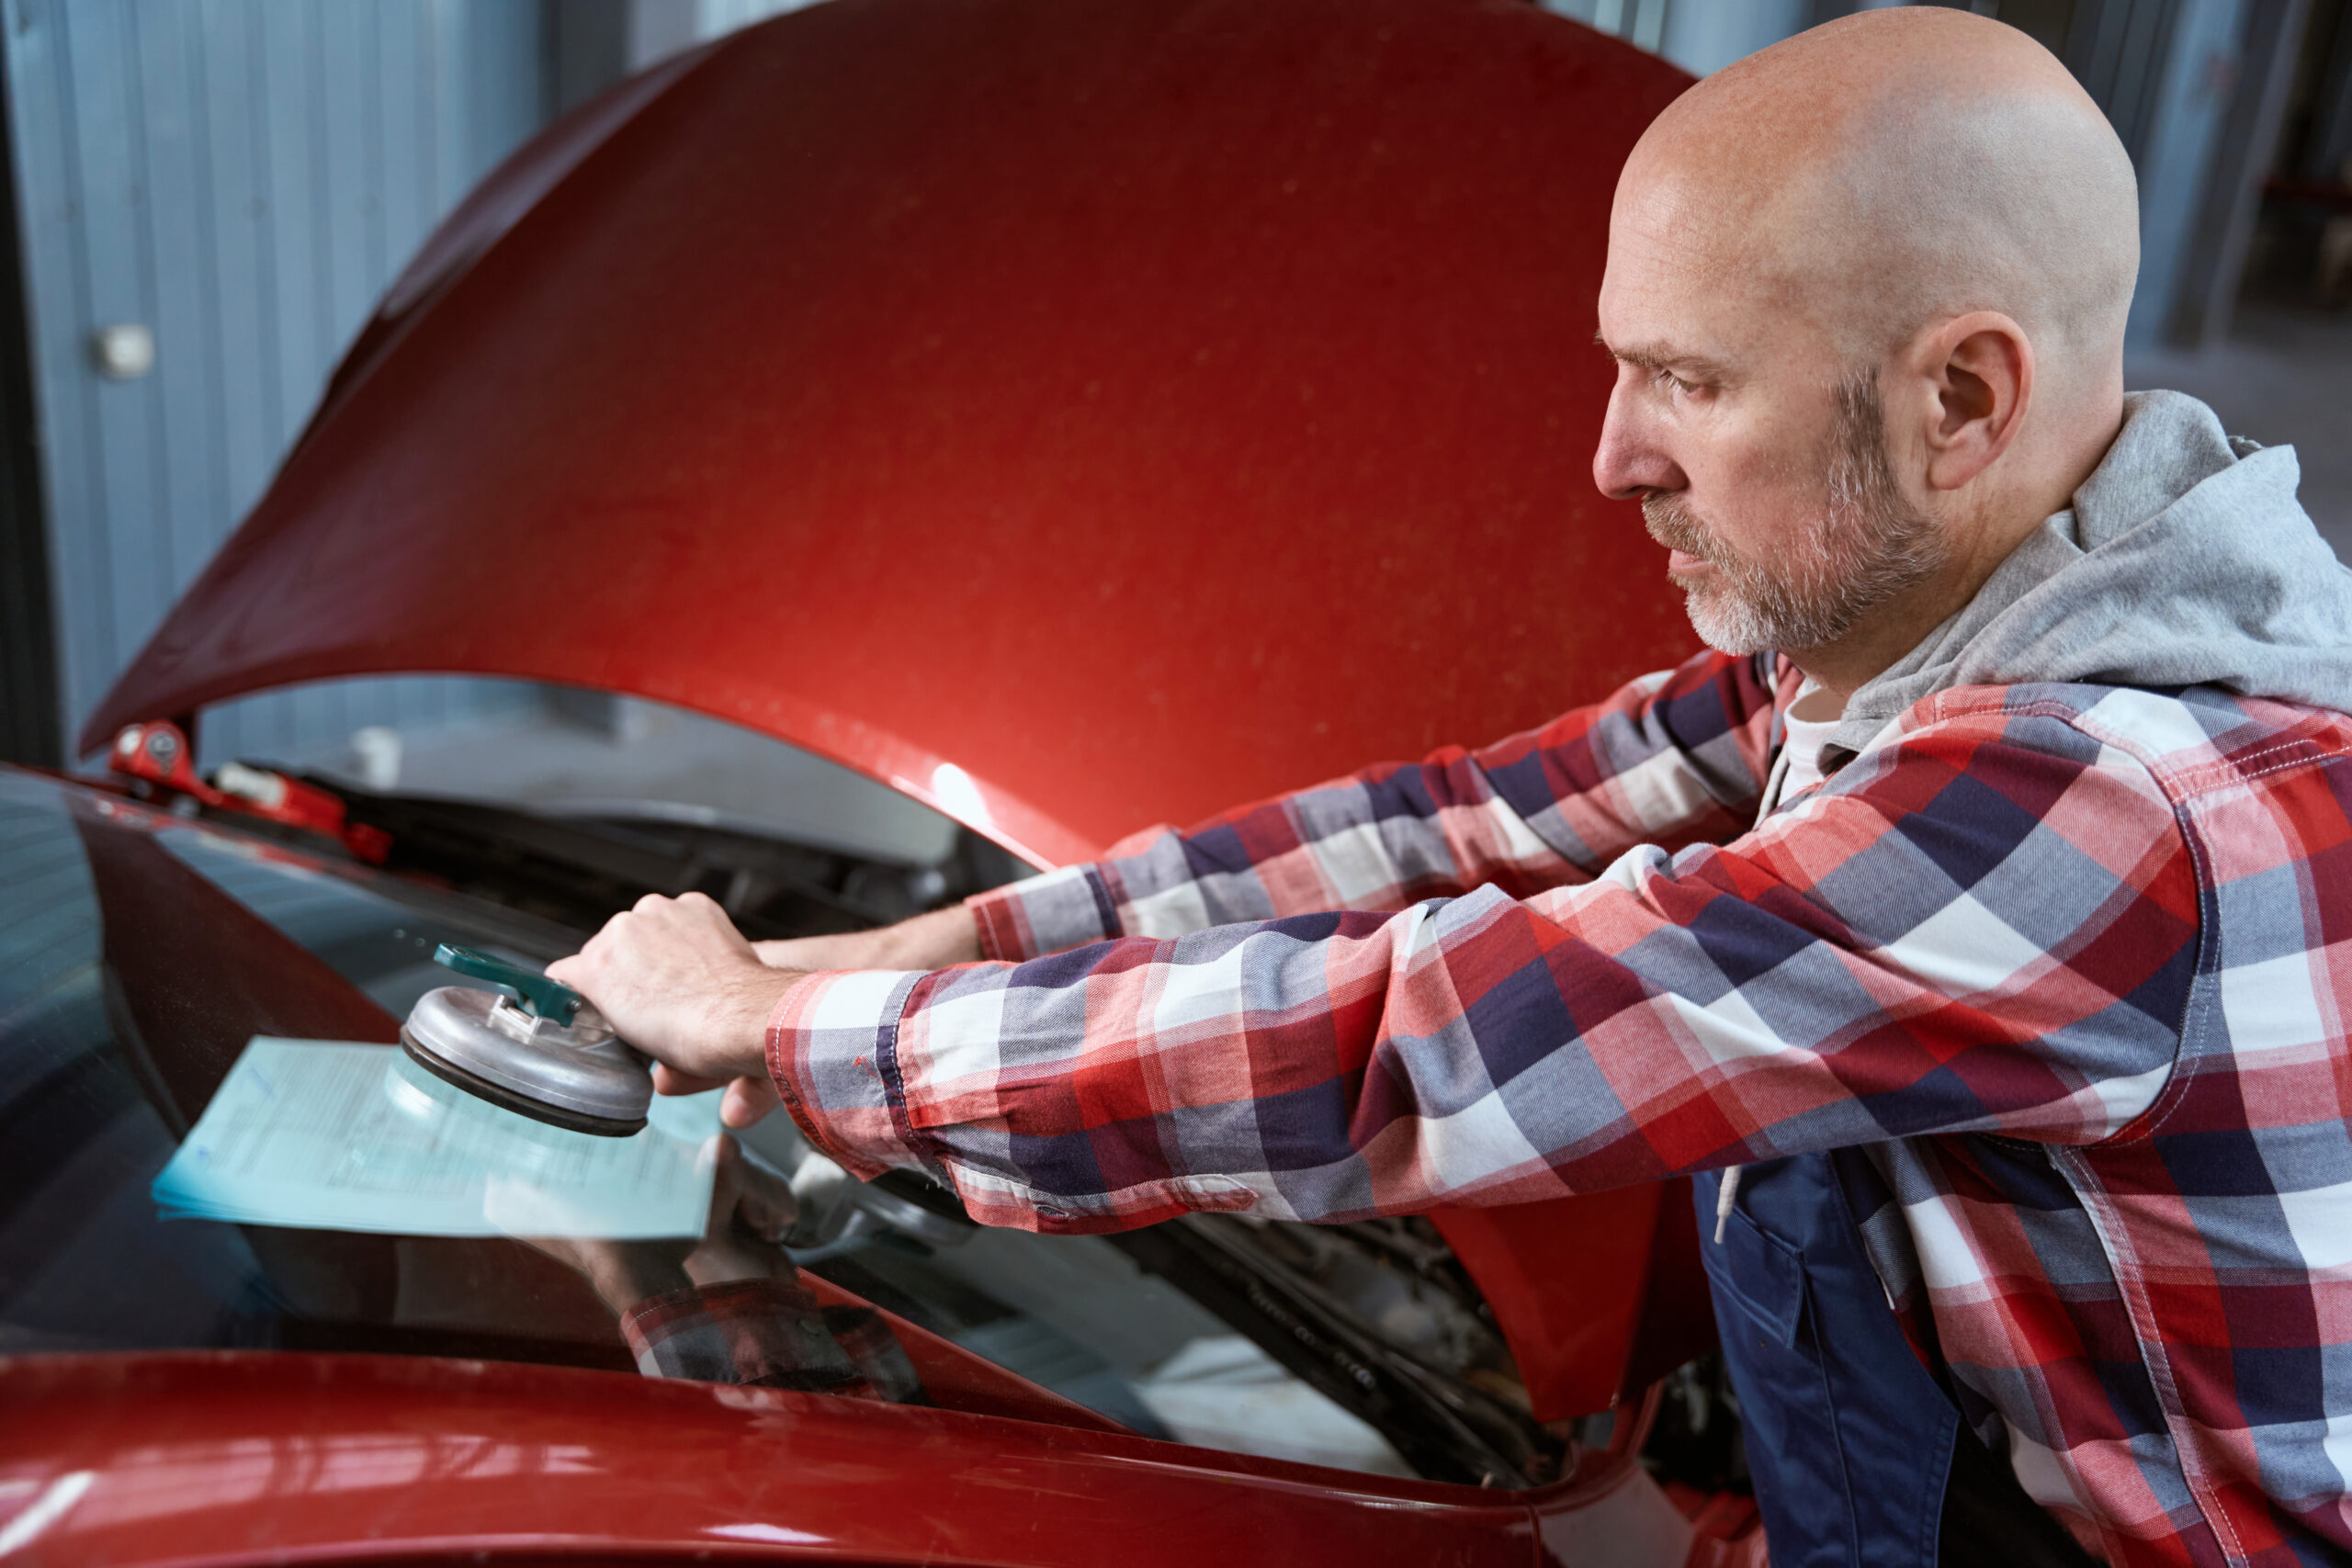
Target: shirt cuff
(833,1056)
(1045,914)
(833,1048)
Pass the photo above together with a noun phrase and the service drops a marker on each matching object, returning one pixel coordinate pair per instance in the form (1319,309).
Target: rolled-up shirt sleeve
(829,1041)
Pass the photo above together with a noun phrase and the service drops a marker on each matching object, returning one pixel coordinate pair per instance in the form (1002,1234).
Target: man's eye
(1673,383)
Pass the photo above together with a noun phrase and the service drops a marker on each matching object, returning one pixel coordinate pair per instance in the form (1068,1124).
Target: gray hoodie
(2185,561)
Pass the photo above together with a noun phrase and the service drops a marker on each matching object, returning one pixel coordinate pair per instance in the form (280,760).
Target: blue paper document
(333,1135)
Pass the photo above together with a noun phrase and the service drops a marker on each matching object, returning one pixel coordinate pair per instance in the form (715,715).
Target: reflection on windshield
(140,953)
(1072,1312)
(82,1263)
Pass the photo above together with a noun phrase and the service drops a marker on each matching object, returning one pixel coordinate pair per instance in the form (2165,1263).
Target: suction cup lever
(546,999)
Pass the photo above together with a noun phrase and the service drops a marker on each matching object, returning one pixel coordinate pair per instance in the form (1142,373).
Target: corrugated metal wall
(243,178)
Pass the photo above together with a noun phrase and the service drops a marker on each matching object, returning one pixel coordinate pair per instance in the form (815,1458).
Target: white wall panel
(242,177)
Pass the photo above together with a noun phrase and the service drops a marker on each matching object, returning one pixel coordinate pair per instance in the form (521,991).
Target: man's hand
(935,940)
(679,982)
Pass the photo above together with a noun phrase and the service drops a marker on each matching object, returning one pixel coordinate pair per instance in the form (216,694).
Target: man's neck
(1982,542)
(1894,629)
(1891,629)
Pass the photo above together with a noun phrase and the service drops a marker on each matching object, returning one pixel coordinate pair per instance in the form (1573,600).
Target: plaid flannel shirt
(2062,957)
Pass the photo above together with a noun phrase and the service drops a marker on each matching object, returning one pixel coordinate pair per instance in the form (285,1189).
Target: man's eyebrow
(1652,356)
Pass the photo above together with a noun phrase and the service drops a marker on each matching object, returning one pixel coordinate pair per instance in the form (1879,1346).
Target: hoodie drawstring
(1723,1197)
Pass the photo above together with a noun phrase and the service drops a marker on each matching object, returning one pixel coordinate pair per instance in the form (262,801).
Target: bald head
(1867,289)
(1898,164)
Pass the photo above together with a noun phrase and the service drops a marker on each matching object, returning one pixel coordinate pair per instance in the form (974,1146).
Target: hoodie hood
(2186,560)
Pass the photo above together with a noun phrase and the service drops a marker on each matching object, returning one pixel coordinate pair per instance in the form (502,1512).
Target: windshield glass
(142,954)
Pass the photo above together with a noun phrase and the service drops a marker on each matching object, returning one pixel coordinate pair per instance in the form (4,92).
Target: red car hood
(1076,414)
(1073,413)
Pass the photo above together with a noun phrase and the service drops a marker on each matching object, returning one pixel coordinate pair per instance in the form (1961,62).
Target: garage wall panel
(241,179)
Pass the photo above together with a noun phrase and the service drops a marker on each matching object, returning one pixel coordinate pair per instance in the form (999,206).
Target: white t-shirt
(1807,726)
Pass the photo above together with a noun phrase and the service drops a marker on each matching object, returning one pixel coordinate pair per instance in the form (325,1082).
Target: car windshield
(140,953)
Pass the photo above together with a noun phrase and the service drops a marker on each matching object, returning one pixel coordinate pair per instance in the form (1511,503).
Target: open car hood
(1073,414)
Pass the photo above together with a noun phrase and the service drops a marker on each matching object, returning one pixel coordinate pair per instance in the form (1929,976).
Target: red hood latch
(159,754)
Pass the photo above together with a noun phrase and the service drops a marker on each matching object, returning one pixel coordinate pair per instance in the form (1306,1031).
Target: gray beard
(1864,548)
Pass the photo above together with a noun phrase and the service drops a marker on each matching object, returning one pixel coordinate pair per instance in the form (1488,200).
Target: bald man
(1974,920)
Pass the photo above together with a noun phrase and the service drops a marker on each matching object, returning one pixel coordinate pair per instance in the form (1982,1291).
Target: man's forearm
(1673,759)
(939,940)
(936,940)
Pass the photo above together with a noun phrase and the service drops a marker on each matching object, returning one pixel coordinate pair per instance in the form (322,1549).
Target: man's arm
(1988,925)
(1674,758)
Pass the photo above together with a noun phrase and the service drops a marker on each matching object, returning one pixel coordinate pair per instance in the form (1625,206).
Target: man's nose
(1629,459)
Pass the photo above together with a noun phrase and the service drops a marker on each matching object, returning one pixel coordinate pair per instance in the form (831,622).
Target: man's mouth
(1681,532)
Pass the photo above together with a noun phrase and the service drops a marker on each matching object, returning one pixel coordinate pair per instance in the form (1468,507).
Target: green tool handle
(548,999)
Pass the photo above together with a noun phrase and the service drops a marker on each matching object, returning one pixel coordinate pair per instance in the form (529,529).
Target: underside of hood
(1074,414)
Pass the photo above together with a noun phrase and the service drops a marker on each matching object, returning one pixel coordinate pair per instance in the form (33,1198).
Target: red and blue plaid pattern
(770,1332)
(2064,958)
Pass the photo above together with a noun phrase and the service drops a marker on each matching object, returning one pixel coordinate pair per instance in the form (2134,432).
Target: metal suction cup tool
(532,1046)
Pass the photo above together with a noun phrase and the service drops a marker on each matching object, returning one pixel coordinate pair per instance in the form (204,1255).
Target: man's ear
(1979,369)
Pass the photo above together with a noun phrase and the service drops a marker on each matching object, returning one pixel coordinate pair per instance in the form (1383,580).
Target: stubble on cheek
(1860,550)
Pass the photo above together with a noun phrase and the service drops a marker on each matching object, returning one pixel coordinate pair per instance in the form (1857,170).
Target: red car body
(1076,415)
(275,1458)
